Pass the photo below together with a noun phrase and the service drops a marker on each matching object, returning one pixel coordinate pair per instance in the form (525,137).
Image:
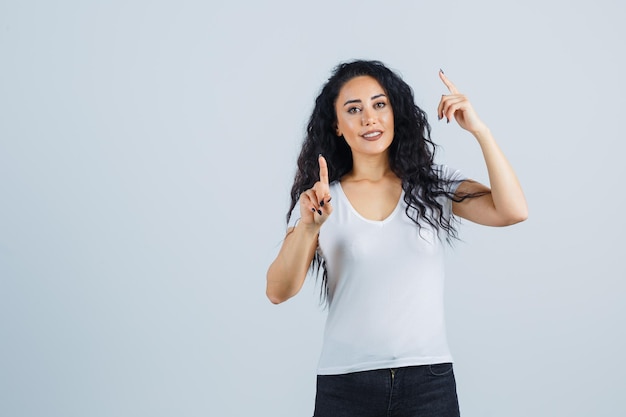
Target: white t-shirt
(386,285)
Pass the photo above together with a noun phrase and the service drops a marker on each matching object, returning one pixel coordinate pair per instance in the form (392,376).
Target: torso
(385,281)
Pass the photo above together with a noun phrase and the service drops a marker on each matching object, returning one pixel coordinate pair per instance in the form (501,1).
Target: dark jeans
(413,391)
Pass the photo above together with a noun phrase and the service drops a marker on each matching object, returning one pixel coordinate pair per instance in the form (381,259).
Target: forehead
(361,87)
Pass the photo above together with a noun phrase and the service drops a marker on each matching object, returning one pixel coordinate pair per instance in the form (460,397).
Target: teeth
(371,135)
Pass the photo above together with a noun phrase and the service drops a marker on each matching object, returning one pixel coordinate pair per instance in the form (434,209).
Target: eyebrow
(359,101)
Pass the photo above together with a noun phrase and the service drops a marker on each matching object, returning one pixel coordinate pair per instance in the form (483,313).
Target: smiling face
(364,116)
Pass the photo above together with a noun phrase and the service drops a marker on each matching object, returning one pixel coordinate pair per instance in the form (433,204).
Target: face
(364,116)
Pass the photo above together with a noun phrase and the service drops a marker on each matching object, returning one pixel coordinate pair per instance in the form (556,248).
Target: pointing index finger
(448,83)
(323,170)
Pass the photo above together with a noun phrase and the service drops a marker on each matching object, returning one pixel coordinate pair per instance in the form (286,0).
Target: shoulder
(448,173)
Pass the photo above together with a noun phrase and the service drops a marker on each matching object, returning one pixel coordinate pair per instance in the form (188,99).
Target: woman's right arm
(286,274)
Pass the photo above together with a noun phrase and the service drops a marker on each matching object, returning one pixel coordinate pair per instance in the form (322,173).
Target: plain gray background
(146,153)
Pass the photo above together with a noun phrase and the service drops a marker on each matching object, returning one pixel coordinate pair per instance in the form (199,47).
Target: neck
(369,167)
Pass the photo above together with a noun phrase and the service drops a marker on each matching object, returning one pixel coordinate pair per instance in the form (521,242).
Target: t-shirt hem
(387,364)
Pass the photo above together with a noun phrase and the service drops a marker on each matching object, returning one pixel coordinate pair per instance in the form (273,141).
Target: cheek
(345,125)
(340,122)
(389,120)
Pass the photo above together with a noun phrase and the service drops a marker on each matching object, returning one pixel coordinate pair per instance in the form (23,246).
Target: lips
(372,135)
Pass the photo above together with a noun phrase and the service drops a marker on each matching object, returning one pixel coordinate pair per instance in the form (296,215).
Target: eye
(380,105)
(353,110)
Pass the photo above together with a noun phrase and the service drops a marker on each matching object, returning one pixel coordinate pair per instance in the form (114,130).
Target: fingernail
(440,70)
(438,117)
(322,203)
(319,212)
(448,121)
(329,198)
(312,209)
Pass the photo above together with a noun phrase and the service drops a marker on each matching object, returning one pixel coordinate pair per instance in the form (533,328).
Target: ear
(337,131)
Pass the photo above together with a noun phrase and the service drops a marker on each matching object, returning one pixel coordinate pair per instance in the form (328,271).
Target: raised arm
(504,203)
(286,274)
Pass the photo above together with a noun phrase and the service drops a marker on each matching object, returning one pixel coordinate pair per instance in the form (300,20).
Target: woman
(379,243)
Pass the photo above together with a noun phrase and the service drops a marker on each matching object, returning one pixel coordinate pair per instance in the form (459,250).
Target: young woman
(378,244)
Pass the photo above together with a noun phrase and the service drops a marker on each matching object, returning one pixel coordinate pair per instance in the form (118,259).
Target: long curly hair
(411,153)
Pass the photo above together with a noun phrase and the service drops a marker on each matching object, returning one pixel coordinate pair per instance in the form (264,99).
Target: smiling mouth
(372,135)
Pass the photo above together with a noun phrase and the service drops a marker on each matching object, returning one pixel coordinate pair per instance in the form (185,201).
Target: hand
(315,202)
(458,106)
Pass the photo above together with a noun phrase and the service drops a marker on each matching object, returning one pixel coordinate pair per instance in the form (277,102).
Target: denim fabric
(414,391)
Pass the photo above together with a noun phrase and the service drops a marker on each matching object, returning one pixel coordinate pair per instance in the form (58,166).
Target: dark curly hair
(411,153)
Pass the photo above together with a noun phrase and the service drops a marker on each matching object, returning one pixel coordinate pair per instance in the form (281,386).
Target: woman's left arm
(504,203)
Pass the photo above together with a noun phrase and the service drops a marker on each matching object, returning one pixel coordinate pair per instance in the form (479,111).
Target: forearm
(287,273)
(506,191)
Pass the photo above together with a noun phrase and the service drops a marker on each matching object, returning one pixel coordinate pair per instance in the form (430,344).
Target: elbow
(516,220)
(274,291)
(281,286)
(516,217)
(523,217)
(275,298)
(522,214)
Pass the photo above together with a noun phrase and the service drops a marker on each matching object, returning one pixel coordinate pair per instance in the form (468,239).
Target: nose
(368,117)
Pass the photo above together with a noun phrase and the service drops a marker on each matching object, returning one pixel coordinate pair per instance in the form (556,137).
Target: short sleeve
(451,177)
